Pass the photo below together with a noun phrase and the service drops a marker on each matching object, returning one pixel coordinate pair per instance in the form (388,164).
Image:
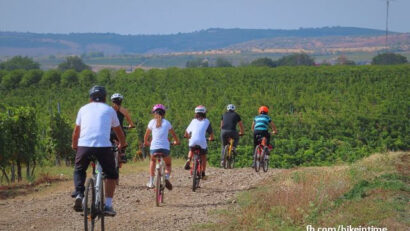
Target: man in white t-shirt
(91,137)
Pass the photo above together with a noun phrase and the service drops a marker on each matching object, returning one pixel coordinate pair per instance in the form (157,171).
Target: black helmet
(98,93)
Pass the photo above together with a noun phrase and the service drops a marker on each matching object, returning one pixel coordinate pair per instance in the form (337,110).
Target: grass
(372,192)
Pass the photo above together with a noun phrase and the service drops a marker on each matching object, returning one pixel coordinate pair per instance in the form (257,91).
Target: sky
(174,16)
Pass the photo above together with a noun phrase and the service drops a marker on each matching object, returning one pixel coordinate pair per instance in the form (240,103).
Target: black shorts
(104,155)
(201,150)
(257,136)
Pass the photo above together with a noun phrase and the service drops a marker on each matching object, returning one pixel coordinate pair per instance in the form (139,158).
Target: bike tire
(225,163)
(232,161)
(265,165)
(162,184)
(101,204)
(256,159)
(196,174)
(158,188)
(89,205)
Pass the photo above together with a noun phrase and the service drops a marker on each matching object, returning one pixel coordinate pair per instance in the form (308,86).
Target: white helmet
(230,107)
(117,96)
(200,109)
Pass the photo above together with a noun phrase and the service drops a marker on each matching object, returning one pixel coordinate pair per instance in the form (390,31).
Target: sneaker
(150,184)
(204,177)
(109,211)
(222,164)
(74,194)
(78,204)
(187,165)
(168,184)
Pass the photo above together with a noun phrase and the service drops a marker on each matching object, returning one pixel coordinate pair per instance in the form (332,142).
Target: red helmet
(263,109)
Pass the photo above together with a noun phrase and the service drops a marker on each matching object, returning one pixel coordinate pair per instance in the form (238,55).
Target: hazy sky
(173,16)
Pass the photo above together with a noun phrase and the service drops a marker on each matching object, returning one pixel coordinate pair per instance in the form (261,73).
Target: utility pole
(387,22)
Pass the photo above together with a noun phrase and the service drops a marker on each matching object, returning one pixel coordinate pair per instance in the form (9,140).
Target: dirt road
(51,209)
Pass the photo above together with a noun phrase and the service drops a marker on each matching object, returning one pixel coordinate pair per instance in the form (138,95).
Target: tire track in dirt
(134,203)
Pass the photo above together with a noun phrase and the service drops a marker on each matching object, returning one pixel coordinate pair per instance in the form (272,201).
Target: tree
(87,78)
(19,62)
(296,60)
(31,77)
(69,78)
(12,79)
(197,63)
(75,63)
(342,60)
(59,138)
(388,59)
(50,77)
(104,76)
(221,62)
(263,62)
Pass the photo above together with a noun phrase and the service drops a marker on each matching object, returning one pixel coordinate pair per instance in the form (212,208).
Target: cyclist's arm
(241,129)
(275,131)
(176,140)
(76,135)
(211,137)
(146,137)
(127,117)
(120,136)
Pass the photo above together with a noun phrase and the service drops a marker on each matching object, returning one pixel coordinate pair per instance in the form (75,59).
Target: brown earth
(51,208)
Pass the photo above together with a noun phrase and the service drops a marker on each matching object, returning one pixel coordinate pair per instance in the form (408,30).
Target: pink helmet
(158,107)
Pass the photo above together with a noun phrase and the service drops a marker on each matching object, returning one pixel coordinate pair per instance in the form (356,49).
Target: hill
(33,44)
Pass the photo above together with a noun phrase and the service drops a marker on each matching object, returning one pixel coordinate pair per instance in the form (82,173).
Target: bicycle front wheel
(89,205)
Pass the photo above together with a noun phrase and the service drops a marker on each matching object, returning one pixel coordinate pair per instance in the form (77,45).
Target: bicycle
(119,156)
(261,154)
(229,154)
(159,179)
(93,204)
(196,171)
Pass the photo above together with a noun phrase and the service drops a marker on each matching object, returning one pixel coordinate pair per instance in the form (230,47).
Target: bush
(388,59)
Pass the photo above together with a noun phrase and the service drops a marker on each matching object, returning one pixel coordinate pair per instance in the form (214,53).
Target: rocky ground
(51,208)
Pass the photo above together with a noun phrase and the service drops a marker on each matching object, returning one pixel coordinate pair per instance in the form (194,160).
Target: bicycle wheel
(158,187)
(232,159)
(256,155)
(162,186)
(197,174)
(265,164)
(226,154)
(89,205)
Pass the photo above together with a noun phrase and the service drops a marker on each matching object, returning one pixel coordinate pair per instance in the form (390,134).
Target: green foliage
(263,62)
(388,59)
(324,114)
(69,78)
(75,63)
(342,60)
(59,138)
(50,78)
(296,60)
(19,62)
(221,62)
(12,79)
(31,77)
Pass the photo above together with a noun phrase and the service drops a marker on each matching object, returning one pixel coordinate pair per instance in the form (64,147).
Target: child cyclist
(196,132)
(159,127)
(260,126)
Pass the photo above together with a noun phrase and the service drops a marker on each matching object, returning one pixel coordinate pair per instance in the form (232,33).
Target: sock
(167,176)
(108,201)
(151,179)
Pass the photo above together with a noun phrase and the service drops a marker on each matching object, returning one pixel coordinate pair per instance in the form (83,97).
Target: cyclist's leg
(267,135)
(235,136)
(203,160)
(224,141)
(81,164)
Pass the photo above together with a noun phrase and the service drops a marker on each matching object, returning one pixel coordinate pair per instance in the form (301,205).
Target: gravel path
(51,209)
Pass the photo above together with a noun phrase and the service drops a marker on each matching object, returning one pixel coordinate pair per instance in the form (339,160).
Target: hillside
(32,44)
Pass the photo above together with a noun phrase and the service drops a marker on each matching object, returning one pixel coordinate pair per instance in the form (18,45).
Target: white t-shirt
(198,130)
(159,135)
(95,121)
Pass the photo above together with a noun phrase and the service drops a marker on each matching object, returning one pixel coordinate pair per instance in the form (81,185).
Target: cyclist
(229,121)
(196,132)
(260,127)
(159,127)
(122,112)
(91,136)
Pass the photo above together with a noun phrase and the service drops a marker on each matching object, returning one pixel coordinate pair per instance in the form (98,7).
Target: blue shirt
(262,122)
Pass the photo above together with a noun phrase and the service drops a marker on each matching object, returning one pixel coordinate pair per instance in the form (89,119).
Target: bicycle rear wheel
(197,174)
(257,154)
(232,159)
(226,153)
(265,164)
(101,204)
(158,188)
(89,205)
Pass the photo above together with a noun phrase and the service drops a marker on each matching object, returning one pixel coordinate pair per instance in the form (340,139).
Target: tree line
(324,114)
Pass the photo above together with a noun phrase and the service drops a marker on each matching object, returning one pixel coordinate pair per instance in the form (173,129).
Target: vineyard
(324,115)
